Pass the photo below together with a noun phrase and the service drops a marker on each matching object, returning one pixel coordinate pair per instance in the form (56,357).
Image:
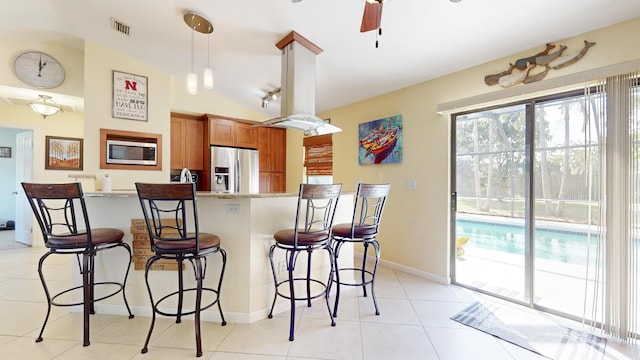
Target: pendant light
(207,78)
(199,23)
(192,77)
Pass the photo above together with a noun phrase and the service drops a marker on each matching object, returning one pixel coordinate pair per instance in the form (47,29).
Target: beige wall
(415,226)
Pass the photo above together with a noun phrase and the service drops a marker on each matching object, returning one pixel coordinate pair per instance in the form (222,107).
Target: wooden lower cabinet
(272,182)
(272,143)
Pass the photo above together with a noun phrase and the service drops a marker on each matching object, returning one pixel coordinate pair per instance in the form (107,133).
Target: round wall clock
(38,69)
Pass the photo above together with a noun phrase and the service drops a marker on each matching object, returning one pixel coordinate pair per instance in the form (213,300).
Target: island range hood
(298,94)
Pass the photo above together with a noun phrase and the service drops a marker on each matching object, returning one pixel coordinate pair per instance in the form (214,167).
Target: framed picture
(5,152)
(380,141)
(130,97)
(63,153)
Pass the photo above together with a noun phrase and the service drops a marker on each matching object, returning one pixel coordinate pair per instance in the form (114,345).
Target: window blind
(318,155)
(616,288)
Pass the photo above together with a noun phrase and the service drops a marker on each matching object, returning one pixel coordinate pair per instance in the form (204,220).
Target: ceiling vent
(120,27)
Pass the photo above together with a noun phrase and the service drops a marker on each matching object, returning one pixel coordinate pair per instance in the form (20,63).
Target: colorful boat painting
(380,141)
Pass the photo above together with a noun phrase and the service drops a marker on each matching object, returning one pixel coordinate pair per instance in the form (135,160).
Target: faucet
(185,176)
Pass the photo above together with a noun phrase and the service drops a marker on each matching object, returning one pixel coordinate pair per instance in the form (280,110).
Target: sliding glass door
(566,219)
(489,227)
(525,199)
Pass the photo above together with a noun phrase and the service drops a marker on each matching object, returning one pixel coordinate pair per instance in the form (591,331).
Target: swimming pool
(569,247)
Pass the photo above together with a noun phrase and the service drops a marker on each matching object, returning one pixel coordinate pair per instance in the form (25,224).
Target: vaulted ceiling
(421,39)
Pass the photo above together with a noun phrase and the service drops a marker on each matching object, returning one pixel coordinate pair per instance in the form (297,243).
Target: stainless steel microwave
(132,152)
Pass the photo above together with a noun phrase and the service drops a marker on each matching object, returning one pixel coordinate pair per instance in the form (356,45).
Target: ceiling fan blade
(371,17)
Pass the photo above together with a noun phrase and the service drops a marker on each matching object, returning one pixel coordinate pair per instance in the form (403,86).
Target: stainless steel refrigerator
(234,170)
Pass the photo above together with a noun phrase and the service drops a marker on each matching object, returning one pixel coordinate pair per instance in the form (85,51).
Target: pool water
(561,246)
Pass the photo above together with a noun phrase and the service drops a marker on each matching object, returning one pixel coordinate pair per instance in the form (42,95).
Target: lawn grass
(573,211)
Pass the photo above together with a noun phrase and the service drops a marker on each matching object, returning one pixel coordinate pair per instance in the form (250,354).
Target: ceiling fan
(372,15)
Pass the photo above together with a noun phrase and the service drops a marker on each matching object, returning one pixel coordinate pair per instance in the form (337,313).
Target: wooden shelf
(111,134)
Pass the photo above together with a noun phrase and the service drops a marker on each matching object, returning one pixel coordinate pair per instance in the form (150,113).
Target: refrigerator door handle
(238,175)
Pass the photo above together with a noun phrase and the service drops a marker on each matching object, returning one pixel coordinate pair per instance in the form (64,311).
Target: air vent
(120,27)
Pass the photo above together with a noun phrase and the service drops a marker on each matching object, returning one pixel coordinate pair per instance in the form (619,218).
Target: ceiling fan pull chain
(379,33)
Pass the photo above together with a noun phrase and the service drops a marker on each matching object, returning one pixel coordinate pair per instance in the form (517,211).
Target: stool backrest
(316,209)
(367,212)
(59,209)
(170,212)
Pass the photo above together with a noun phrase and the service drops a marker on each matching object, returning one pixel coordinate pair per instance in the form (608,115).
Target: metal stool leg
(292,320)
(362,270)
(275,280)
(224,264)
(336,251)
(327,290)
(197,263)
(124,282)
(153,304)
(86,291)
(46,292)
(180,291)
(376,246)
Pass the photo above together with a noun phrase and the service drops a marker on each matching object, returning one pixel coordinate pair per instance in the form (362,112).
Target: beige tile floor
(414,324)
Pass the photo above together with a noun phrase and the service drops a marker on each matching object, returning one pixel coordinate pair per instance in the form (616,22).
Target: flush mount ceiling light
(44,106)
(271,96)
(197,22)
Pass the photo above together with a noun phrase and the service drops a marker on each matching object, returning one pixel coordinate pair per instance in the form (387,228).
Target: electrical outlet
(233,208)
(282,267)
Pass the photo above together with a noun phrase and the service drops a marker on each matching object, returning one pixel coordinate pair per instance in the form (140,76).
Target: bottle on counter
(106,183)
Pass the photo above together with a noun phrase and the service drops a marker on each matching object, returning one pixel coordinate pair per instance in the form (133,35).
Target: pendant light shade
(192,83)
(207,79)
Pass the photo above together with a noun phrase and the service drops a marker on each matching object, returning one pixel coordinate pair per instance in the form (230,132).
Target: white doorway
(24,172)
(16,168)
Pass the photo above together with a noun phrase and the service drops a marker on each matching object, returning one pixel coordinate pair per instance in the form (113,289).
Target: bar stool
(171,214)
(364,226)
(312,231)
(61,213)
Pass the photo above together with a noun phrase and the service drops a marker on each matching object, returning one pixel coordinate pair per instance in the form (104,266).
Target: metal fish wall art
(524,67)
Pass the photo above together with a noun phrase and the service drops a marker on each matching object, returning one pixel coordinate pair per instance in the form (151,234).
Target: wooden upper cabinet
(222,132)
(177,143)
(187,143)
(246,136)
(225,132)
(194,149)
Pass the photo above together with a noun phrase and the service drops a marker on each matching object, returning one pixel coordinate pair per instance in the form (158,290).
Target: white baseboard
(409,270)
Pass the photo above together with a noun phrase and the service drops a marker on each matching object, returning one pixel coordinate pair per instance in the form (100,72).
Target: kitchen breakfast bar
(245,224)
